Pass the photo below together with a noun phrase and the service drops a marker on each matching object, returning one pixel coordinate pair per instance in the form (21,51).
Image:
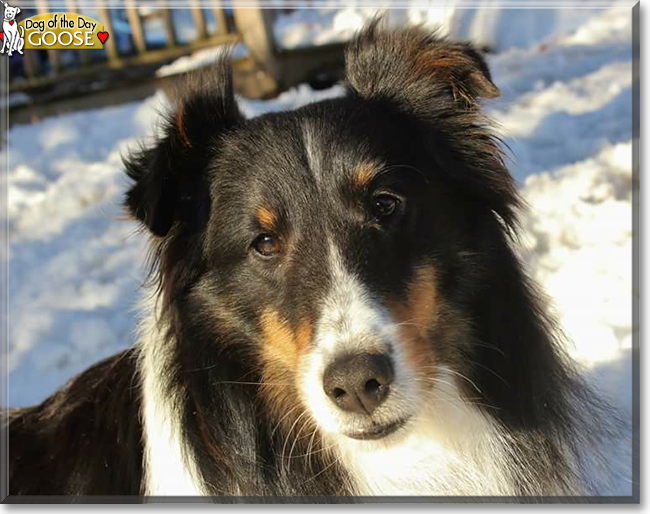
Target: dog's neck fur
(452,449)
(168,470)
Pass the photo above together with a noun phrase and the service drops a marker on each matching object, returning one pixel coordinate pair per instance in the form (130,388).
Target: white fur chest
(456,452)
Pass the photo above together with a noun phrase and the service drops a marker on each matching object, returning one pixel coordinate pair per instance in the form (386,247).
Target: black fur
(413,103)
(84,439)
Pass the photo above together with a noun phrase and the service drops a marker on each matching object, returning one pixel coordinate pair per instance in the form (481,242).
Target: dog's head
(336,248)
(10,12)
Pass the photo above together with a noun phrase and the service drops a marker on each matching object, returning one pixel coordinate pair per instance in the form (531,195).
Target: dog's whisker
(310,446)
(482,366)
(295,441)
(236,382)
(314,452)
(286,415)
(469,381)
(334,462)
(288,435)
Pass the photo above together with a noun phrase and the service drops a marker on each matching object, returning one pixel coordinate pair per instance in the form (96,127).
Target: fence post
(169,24)
(199,19)
(136,26)
(256,28)
(53,55)
(84,55)
(31,65)
(111,43)
(222,21)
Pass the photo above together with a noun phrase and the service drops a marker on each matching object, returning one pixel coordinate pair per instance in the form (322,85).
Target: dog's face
(11,12)
(333,246)
(327,241)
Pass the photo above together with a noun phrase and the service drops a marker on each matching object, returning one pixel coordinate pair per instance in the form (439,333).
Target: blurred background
(75,266)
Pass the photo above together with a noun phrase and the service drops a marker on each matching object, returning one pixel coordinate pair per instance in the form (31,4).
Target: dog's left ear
(17,10)
(170,176)
(435,80)
(413,67)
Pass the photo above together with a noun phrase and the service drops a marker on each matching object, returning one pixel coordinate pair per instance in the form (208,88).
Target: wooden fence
(40,68)
(266,69)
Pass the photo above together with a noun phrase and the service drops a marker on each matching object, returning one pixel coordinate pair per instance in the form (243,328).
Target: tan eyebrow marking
(364,173)
(266,217)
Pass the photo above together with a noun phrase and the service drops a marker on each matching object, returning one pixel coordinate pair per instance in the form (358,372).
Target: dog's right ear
(170,182)
(416,68)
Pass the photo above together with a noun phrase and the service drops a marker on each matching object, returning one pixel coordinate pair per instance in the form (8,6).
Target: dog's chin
(384,433)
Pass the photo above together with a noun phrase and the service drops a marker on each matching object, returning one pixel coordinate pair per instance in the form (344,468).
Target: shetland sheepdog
(338,310)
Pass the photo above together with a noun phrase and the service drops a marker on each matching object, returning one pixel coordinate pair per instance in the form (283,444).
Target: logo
(13,40)
(57,31)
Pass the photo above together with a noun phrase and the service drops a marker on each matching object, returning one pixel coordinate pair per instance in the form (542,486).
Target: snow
(478,21)
(199,59)
(16,99)
(590,217)
(316,27)
(567,120)
(75,265)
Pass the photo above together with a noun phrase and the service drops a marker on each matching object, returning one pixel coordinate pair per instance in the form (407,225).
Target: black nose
(359,383)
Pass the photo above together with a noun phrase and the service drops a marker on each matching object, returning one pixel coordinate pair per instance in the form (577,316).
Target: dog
(13,40)
(338,311)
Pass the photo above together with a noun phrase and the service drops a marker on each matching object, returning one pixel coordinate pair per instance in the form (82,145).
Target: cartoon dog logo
(13,40)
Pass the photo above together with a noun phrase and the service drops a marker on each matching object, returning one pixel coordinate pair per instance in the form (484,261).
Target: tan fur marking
(266,217)
(279,340)
(416,315)
(446,67)
(303,335)
(422,297)
(281,350)
(180,124)
(364,173)
(279,358)
(281,343)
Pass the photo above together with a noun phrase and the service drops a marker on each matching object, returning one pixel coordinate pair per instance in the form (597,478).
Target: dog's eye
(267,245)
(384,205)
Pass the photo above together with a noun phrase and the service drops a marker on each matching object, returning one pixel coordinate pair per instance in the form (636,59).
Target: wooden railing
(40,68)
(265,70)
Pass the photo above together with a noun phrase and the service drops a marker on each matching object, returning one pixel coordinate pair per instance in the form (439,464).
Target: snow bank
(498,29)
(586,207)
(199,59)
(315,27)
(566,115)
(74,268)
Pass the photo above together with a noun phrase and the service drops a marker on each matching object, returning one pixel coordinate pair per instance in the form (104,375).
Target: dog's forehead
(325,144)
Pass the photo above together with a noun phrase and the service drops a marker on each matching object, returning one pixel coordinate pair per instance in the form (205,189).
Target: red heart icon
(2,36)
(11,22)
(103,36)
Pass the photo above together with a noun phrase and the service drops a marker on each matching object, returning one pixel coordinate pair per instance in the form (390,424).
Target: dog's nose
(359,383)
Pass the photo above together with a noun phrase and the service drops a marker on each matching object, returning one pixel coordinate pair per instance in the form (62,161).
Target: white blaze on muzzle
(351,323)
